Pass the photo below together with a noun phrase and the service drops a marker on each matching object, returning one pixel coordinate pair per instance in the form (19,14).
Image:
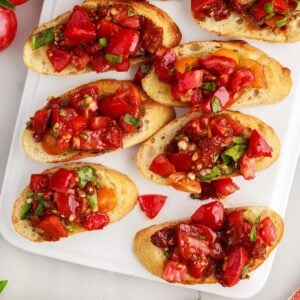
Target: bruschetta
(93,119)
(215,245)
(198,148)
(271,21)
(215,75)
(70,199)
(100,35)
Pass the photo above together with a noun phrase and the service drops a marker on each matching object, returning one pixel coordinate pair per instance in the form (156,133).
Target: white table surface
(34,277)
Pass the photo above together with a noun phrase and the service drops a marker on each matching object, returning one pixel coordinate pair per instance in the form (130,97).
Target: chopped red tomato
(61,180)
(99,122)
(164,64)
(79,28)
(67,204)
(236,261)
(40,120)
(95,221)
(39,183)
(181,182)
(80,61)
(259,10)
(197,267)
(152,36)
(281,6)
(225,186)
(182,161)
(189,80)
(196,128)
(225,126)
(242,78)
(107,29)
(59,58)
(162,166)
(267,231)
(247,167)
(218,64)
(208,234)
(258,147)
(211,215)
(51,145)
(78,124)
(152,204)
(128,128)
(174,271)
(123,66)
(99,63)
(53,227)
(132,22)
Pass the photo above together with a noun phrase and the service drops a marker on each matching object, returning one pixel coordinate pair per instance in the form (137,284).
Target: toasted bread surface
(38,61)
(278,78)
(154,259)
(151,123)
(156,144)
(125,190)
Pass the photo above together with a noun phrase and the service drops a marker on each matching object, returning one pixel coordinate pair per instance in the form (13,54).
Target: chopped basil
(85,175)
(28,123)
(245,271)
(226,159)
(238,140)
(70,229)
(39,210)
(214,173)
(249,5)
(268,7)
(42,38)
(7,4)
(235,152)
(41,200)
(195,196)
(62,112)
(93,201)
(130,12)
(145,68)
(253,234)
(84,136)
(168,253)
(25,212)
(103,42)
(228,169)
(131,120)
(29,195)
(282,22)
(115,59)
(209,86)
(3,284)
(178,137)
(143,109)
(298,6)
(216,105)
(257,220)
(271,15)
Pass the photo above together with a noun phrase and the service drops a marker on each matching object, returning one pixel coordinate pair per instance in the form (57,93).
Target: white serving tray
(111,249)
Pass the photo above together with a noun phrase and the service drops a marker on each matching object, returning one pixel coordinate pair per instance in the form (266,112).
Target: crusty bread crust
(38,61)
(151,123)
(156,144)
(238,26)
(124,188)
(153,258)
(278,78)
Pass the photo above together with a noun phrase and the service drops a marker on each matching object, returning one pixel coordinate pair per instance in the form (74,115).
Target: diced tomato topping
(123,66)
(247,167)
(41,120)
(240,79)
(218,64)
(52,145)
(196,128)
(200,4)
(67,204)
(189,80)
(174,271)
(234,265)
(181,182)
(225,186)
(267,231)
(123,42)
(211,215)
(223,96)
(95,221)
(208,234)
(97,123)
(79,28)
(197,267)
(281,6)
(99,63)
(59,58)
(132,22)
(78,124)
(164,63)
(162,166)
(258,147)
(258,10)
(80,61)
(53,227)
(61,180)
(225,126)
(151,205)
(128,128)
(152,36)
(182,161)
(39,183)
(107,29)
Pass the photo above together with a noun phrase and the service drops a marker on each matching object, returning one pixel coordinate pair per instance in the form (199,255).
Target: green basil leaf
(143,109)
(271,15)
(235,152)
(195,196)
(3,284)
(84,136)
(214,173)
(93,201)
(85,175)
(145,68)
(103,42)
(29,195)
(245,271)
(41,200)
(42,38)
(39,210)
(7,4)
(115,59)
(130,12)
(209,86)
(282,22)
(257,220)
(179,136)
(131,120)
(268,7)
(70,229)
(216,105)
(238,140)
(253,234)
(25,212)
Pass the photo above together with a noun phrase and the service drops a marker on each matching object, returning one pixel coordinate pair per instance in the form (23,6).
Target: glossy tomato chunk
(234,265)
(211,215)
(97,123)
(152,36)
(198,267)
(53,227)
(41,120)
(107,29)
(62,180)
(174,271)
(95,221)
(209,235)
(189,80)
(281,6)
(267,231)
(152,204)
(67,204)
(258,147)
(162,166)
(225,126)
(78,124)
(182,161)
(225,186)
(218,64)
(242,78)
(113,106)
(99,63)
(39,183)
(247,167)
(164,65)
(59,59)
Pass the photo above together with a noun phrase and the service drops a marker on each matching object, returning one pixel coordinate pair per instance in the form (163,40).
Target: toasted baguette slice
(156,144)
(154,259)
(237,25)
(278,78)
(125,190)
(38,61)
(155,117)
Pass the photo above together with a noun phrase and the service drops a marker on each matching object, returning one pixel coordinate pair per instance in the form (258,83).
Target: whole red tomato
(8,27)
(17,2)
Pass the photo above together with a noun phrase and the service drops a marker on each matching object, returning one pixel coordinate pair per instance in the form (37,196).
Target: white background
(33,277)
